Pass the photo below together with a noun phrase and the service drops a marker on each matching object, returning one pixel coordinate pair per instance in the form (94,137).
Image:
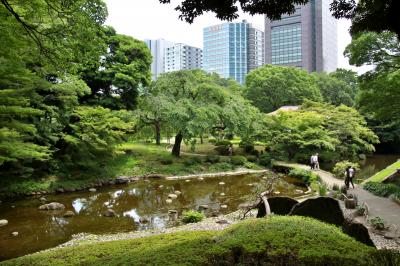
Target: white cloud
(148,19)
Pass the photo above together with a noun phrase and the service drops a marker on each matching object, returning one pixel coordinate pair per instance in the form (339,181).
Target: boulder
(43,199)
(60,190)
(70,190)
(187,180)
(172,215)
(143,220)
(322,208)
(200,179)
(3,222)
(168,201)
(357,231)
(135,178)
(177,192)
(109,213)
(122,179)
(221,183)
(14,234)
(222,194)
(112,182)
(281,205)
(68,214)
(92,189)
(155,176)
(172,196)
(223,206)
(52,206)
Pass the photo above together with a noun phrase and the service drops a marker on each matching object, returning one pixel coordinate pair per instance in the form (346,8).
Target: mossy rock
(276,240)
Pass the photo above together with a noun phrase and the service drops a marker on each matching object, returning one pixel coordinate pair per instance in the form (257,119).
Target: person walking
(352,173)
(312,162)
(347,176)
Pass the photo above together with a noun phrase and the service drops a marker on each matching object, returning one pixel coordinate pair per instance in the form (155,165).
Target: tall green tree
(333,90)
(349,77)
(193,103)
(124,68)
(270,87)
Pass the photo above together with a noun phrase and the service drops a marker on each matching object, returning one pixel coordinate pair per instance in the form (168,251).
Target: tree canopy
(372,15)
(270,87)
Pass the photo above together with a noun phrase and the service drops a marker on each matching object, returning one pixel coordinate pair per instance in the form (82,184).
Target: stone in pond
(122,179)
(299,191)
(60,190)
(52,206)
(223,206)
(3,222)
(177,192)
(109,213)
(160,186)
(172,215)
(143,220)
(168,201)
(43,199)
(92,189)
(68,214)
(221,183)
(200,178)
(358,231)
(172,196)
(222,194)
(277,192)
(187,180)
(14,234)
(322,208)
(203,207)
(250,185)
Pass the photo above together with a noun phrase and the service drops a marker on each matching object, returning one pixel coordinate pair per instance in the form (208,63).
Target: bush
(335,187)
(238,160)
(212,140)
(223,142)
(222,150)
(166,161)
(340,168)
(192,216)
(255,153)
(377,223)
(382,190)
(247,146)
(192,161)
(322,190)
(251,158)
(360,210)
(212,159)
(306,176)
(265,160)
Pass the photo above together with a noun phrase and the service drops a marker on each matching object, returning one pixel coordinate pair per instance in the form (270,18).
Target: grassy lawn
(277,240)
(380,176)
(131,159)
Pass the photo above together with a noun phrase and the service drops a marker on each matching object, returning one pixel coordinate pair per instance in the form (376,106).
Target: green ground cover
(381,175)
(277,240)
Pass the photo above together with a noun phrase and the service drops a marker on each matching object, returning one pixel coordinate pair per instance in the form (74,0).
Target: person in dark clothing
(350,172)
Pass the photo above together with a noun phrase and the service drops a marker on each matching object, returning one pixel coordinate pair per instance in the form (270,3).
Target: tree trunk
(158,132)
(201,139)
(176,150)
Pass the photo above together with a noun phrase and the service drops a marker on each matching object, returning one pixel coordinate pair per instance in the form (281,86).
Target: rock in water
(143,220)
(322,208)
(203,207)
(68,214)
(224,206)
(52,206)
(168,201)
(358,231)
(172,215)
(109,213)
(172,196)
(122,179)
(3,222)
(221,183)
(177,192)
(14,234)
(43,199)
(92,189)
(200,179)
(222,194)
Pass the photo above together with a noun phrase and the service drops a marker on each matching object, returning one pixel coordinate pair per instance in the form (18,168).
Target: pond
(138,206)
(374,164)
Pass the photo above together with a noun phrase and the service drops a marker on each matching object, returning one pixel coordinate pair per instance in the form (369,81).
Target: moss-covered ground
(381,175)
(277,240)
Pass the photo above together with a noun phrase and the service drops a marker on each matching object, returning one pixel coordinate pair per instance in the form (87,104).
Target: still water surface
(133,203)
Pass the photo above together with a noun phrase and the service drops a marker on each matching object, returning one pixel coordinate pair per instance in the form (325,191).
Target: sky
(148,19)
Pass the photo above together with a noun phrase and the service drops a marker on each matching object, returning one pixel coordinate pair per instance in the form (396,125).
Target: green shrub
(382,190)
(265,160)
(212,140)
(166,161)
(377,223)
(322,190)
(212,159)
(306,176)
(220,167)
(192,161)
(255,153)
(335,187)
(247,146)
(238,160)
(222,150)
(192,216)
(223,142)
(360,210)
(251,158)
(340,168)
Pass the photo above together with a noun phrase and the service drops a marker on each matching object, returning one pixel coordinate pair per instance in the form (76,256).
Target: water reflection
(133,214)
(79,204)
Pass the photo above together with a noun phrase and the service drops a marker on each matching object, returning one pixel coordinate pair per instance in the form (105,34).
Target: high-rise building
(157,48)
(181,56)
(232,49)
(307,38)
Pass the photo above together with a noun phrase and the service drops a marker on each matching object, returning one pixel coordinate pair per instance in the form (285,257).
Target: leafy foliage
(270,87)
(333,90)
(334,132)
(306,176)
(382,190)
(192,216)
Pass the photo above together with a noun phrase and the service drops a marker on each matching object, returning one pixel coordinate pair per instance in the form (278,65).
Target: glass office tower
(232,49)
(307,38)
